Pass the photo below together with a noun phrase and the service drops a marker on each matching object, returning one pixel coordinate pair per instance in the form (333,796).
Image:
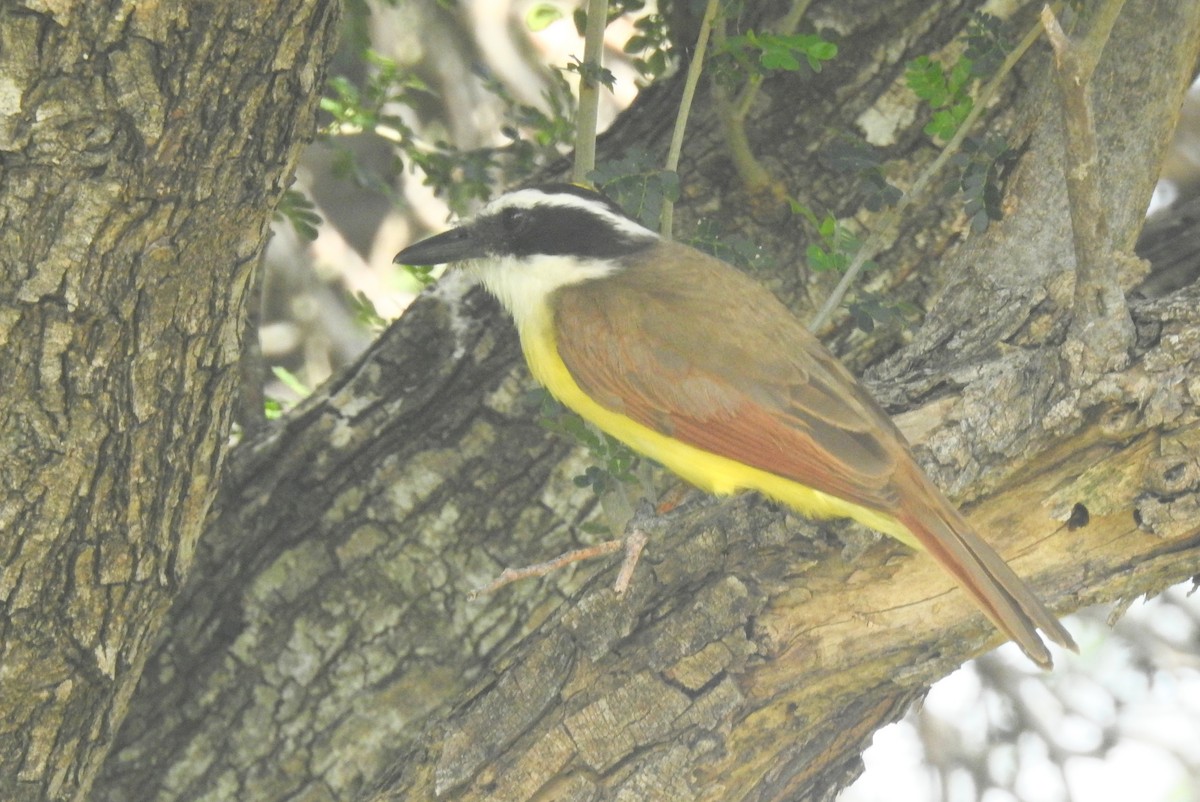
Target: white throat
(523,285)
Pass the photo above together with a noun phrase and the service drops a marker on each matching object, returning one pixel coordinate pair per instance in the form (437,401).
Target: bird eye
(514,220)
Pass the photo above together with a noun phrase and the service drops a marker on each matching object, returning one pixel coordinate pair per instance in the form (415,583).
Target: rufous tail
(1006,599)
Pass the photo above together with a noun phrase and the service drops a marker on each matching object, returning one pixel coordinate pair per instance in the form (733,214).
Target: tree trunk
(141,151)
(324,645)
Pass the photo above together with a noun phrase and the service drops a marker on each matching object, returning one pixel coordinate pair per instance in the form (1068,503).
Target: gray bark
(324,646)
(141,151)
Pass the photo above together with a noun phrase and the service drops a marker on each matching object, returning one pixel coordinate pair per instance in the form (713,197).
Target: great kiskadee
(693,364)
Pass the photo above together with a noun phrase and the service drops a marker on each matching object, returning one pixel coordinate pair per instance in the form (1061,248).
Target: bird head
(528,243)
(543,221)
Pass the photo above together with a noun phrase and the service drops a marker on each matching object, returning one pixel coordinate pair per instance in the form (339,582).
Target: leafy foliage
(983,163)
(774,51)
(540,16)
(538,137)
(362,107)
(273,407)
(854,157)
(464,175)
(592,74)
(616,8)
(638,185)
(650,46)
(365,311)
(988,44)
(945,90)
(870,309)
(615,462)
(740,58)
(366,107)
(422,274)
(297,209)
(736,249)
(836,244)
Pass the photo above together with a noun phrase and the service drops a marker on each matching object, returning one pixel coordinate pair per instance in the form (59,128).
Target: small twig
(751,172)
(634,543)
(732,112)
(890,220)
(685,108)
(589,90)
(510,575)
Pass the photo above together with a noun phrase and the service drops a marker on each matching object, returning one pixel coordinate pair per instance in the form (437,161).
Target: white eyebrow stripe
(528,198)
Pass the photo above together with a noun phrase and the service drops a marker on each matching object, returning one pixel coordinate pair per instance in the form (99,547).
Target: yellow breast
(708,471)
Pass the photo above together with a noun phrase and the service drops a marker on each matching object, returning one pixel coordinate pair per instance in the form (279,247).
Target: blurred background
(434,105)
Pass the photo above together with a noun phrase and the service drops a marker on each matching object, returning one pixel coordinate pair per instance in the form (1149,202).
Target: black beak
(455,245)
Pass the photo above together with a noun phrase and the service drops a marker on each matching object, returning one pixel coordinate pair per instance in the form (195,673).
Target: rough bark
(142,147)
(325,645)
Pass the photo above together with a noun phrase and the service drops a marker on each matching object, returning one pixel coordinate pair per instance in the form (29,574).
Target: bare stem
(732,112)
(685,108)
(589,90)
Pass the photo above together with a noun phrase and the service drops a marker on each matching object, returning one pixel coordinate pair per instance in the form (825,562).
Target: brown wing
(739,376)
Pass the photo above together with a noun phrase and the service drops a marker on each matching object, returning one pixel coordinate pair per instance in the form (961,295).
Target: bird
(694,364)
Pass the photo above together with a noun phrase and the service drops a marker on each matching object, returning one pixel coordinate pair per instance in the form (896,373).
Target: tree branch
(1101,321)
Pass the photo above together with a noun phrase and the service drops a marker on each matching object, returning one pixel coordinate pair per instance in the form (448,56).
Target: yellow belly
(708,471)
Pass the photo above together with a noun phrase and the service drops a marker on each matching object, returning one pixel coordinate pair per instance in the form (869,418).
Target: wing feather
(771,397)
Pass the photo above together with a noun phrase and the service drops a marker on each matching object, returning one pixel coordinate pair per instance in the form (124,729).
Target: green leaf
(945,122)
(926,79)
(773,51)
(541,16)
(822,50)
(297,209)
(422,274)
(779,59)
(614,459)
(960,76)
(365,311)
(638,185)
(592,73)
(636,44)
(987,44)
(290,381)
(862,318)
(828,227)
